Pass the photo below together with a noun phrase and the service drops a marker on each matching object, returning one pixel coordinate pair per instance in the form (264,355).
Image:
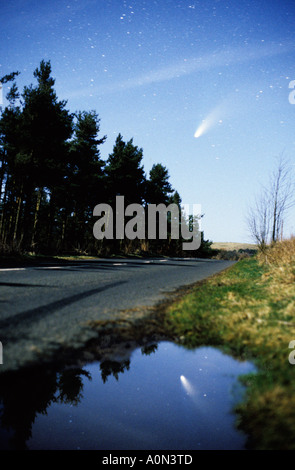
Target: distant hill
(232,246)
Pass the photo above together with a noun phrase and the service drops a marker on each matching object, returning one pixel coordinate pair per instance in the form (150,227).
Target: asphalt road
(49,305)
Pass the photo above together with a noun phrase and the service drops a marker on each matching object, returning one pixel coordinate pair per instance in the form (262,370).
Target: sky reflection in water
(173,399)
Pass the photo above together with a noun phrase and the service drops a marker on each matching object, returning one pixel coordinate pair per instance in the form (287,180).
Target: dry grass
(280,259)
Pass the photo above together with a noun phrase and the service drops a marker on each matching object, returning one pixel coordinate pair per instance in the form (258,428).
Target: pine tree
(12,168)
(47,126)
(84,185)
(124,172)
(158,187)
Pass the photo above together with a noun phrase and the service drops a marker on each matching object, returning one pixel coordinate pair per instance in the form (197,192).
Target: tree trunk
(19,203)
(3,211)
(39,194)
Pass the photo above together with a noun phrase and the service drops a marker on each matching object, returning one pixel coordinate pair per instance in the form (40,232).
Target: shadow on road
(49,308)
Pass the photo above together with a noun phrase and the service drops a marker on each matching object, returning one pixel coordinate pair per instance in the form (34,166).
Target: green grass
(248,311)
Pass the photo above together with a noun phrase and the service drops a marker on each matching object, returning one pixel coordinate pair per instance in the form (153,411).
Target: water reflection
(113,368)
(161,397)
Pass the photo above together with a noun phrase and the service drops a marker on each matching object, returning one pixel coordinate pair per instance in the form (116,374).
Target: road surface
(50,305)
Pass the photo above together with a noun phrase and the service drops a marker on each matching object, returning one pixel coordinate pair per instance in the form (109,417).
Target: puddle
(161,397)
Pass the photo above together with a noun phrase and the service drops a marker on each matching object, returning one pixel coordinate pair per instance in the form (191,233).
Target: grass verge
(249,311)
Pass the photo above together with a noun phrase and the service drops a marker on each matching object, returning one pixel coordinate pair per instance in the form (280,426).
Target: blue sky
(155,70)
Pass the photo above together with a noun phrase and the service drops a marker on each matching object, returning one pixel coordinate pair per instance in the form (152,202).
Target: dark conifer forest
(52,176)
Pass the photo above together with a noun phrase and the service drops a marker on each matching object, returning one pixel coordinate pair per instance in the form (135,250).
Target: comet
(187,385)
(199,401)
(212,119)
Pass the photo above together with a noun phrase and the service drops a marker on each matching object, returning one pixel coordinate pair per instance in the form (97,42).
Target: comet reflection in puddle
(187,386)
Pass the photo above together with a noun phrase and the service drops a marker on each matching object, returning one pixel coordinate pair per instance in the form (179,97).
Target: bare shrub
(266,217)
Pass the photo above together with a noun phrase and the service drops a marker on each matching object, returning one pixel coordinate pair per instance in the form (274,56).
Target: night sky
(201,86)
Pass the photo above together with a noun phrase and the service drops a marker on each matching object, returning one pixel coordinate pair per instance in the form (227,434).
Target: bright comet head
(212,119)
(201,129)
(186,385)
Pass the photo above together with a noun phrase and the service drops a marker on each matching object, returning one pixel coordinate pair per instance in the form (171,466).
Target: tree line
(52,176)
